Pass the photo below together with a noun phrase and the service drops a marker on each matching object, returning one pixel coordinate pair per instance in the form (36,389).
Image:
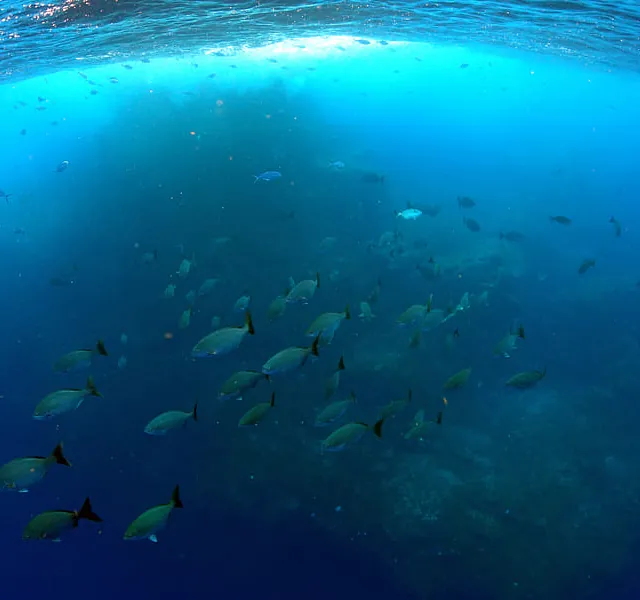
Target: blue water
(531,110)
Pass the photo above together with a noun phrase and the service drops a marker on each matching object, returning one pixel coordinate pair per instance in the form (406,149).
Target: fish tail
(195,412)
(352,396)
(91,387)
(314,346)
(102,351)
(86,512)
(410,394)
(341,366)
(175,498)
(377,428)
(273,399)
(249,322)
(347,313)
(317,279)
(59,456)
(439,418)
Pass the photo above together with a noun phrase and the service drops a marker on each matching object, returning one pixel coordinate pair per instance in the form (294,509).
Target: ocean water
(132,135)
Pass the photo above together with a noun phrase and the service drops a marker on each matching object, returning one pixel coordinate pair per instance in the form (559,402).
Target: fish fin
(410,394)
(102,351)
(153,538)
(273,399)
(352,396)
(249,322)
(347,313)
(86,512)
(317,279)
(175,498)
(341,366)
(91,388)
(314,346)
(195,412)
(59,456)
(439,418)
(377,428)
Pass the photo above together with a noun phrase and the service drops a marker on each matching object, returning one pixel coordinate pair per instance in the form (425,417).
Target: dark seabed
(121,166)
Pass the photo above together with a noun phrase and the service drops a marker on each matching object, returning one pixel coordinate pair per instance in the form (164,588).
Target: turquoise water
(133,134)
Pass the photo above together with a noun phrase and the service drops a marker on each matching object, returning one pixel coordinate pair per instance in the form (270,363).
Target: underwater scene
(322,300)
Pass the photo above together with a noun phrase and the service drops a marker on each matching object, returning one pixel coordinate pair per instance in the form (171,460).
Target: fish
(334,381)
(366,314)
(52,524)
(20,474)
(327,323)
(374,295)
(508,343)
(6,196)
(79,359)
(222,341)
(458,380)
(465,202)
(587,263)
(64,401)
(185,268)
(432,318)
(562,220)
(185,319)
(512,236)
(290,358)
(395,406)
(413,315)
(149,257)
(409,214)
(122,362)
(215,322)
(303,291)
(349,434)
(240,382)
(276,308)
(207,286)
(267,176)
(169,420)
(150,522)
(418,426)
(616,224)
(372,178)
(334,411)
(336,165)
(63,166)
(242,303)
(169,291)
(190,297)
(471,224)
(256,413)
(526,379)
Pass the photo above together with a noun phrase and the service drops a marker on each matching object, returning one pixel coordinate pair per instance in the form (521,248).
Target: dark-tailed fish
(239,383)
(372,178)
(334,411)
(304,290)
(349,434)
(395,406)
(207,286)
(223,341)
(414,315)
(79,359)
(169,291)
(466,202)
(267,176)
(64,401)
(562,220)
(334,381)
(172,419)
(366,314)
(190,297)
(185,268)
(185,318)
(20,474)
(512,236)
(290,359)
(433,318)
(150,522)
(526,379)
(408,214)
(471,224)
(587,263)
(458,380)
(242,303)
(508,343)
(276,308)
(327,322)
(52,524)
(430,271)
(418,426)
(617,226)
(258,412)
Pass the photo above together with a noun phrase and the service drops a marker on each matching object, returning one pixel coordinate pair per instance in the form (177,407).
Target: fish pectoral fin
(153,538)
